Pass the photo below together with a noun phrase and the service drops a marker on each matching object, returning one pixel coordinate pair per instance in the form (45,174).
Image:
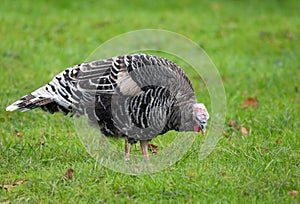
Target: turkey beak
(203,132)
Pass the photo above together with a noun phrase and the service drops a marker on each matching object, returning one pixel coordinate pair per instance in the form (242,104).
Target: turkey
(136,96)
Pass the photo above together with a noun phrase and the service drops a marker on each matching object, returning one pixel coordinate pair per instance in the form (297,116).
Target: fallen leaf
(234,124)
(225,134)
(153,148)
(277,141)
(101,141)
(102,24)
(250,102)
(293,193)
(223,78)
(8,187)
(191,174)
(245,193)
(18,134)
(223,172)
(244,131)
(69,174)
(289,35)
(266,148)
(190,197)
(19,182)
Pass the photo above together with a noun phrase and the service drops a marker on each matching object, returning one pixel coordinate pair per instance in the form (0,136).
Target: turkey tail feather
(29,102)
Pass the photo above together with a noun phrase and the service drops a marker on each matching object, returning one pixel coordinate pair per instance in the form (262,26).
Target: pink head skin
(200,116)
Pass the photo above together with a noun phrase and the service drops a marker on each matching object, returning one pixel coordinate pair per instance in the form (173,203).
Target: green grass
(255,46)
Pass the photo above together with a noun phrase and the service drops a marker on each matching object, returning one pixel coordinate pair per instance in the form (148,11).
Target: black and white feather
(137,96)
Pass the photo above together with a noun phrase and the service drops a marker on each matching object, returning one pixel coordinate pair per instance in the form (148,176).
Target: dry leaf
(102,24)
(69,174)
(8,187)
(225,134)
(266,148)
(244,131)
(289,35)
(189,198)
(223,172)
(293,193)
(191,174)
(153,148)
(18,134)
(234,124)
(277,141)
(101,141)
(20,182)
(245,193)
(250,102)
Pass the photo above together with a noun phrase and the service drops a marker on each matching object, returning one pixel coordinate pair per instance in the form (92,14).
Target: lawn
(255,47)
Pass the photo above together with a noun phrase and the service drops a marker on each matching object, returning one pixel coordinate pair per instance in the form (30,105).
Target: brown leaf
(250,102)
(225,134)
(189,198)
(234,124)
(293,193)
(266,148)
(277,141)
(153,148)
(19,182)
(101,141)
(223,172)
(245,193)
(18,134)
(289,35)
(102,24)
(244,131)
(8,187)
(69,174)
(191,174)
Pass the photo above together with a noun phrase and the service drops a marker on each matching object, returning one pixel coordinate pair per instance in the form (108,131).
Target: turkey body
(136,96)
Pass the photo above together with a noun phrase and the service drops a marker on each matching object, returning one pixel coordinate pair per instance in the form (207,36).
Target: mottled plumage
(134,96)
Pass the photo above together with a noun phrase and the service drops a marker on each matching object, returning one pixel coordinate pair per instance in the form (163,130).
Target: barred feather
(125,95)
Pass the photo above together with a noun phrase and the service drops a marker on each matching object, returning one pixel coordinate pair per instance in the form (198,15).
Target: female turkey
(136,96)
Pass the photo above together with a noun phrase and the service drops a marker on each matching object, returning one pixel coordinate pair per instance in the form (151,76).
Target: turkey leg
(144,146)
(127,149)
